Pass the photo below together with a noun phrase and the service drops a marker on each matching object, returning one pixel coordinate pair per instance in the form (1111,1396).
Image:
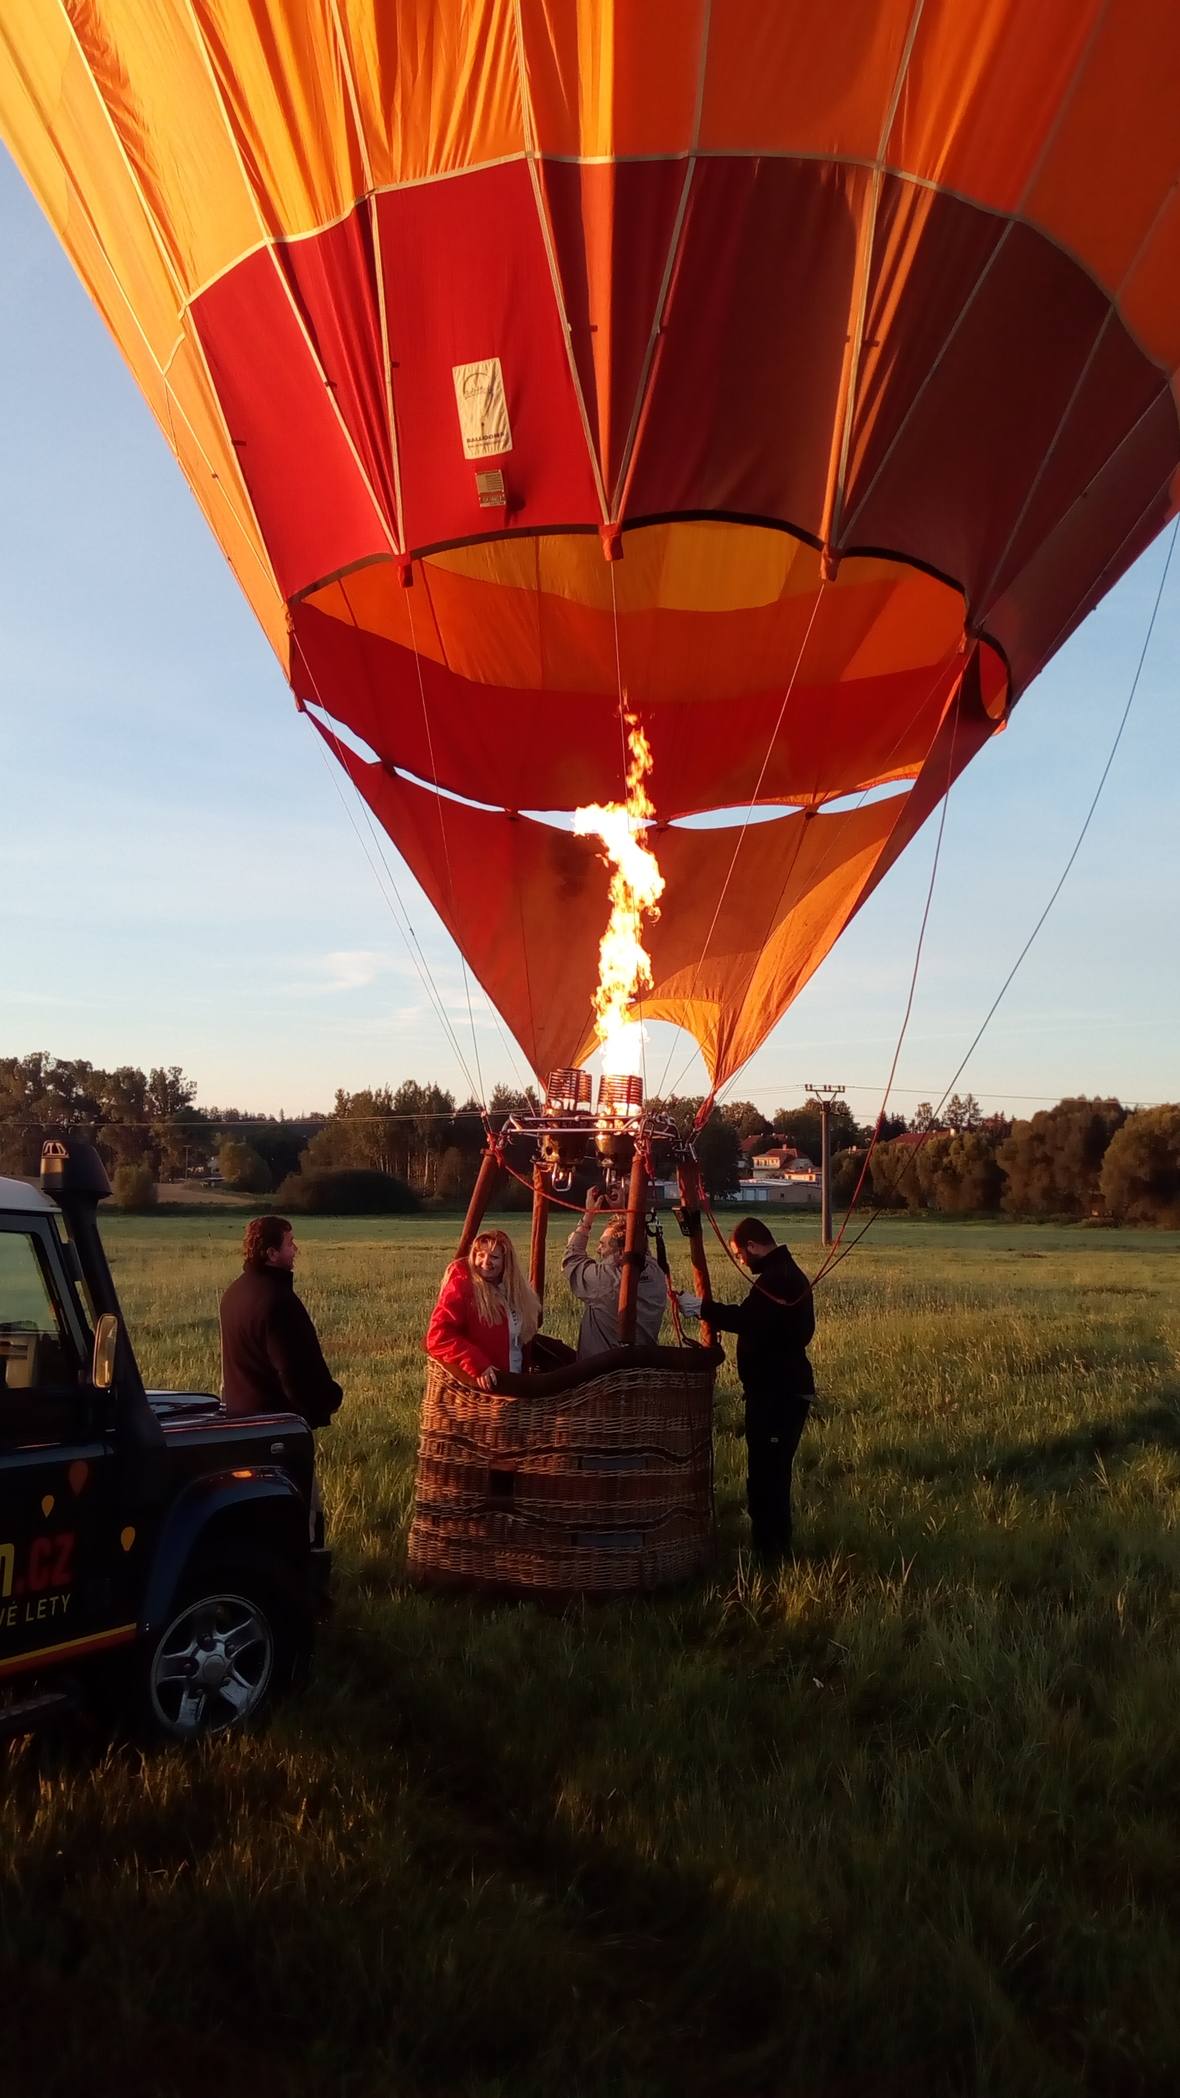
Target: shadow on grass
(1056,1461)
(431,1906)
(492,1953)
(389,1893)
(656,1977)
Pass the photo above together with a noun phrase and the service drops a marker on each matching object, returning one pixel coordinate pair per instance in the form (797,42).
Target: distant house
(779,1162)
(799,1190)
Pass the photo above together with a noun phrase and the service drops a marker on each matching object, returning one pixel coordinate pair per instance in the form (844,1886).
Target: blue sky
(179,881)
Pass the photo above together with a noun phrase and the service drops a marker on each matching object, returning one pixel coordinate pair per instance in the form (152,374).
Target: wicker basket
(596,1480)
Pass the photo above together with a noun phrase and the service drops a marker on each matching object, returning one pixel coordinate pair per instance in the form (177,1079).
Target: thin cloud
(345,969)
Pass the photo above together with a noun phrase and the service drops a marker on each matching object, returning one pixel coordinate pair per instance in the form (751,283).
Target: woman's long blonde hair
(513,1290)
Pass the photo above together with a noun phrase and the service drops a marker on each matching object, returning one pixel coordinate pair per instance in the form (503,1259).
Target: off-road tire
(233,1640)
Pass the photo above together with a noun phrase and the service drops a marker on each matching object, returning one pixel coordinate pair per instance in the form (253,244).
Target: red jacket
(457,1335)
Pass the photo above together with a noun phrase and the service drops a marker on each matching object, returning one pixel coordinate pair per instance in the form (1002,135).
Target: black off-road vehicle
(154,1554)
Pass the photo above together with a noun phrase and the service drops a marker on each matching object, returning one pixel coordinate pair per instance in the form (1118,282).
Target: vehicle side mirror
(106,1341)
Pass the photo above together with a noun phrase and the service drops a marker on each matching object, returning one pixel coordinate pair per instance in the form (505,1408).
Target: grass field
(905,1819)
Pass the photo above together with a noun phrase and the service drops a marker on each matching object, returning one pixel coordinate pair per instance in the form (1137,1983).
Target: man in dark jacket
(773,1325)
(271,1359)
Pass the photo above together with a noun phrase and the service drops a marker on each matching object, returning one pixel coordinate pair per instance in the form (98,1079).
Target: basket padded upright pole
(540,1227)
(688,1173)
(636,1249)
(481,1195)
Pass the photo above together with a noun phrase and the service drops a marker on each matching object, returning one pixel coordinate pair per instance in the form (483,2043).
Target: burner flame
(636,885)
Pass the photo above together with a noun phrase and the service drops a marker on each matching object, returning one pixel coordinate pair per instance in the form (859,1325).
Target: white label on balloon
(483,410)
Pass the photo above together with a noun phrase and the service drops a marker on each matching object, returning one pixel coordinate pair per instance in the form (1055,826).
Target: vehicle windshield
(35,1350)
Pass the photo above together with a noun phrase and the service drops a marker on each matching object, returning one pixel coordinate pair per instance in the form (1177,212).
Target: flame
(636,885)
(622,1055)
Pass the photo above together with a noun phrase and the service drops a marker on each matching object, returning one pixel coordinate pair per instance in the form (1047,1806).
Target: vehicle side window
(36,1353)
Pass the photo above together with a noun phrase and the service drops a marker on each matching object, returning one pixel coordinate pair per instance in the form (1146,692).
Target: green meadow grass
(903,1819)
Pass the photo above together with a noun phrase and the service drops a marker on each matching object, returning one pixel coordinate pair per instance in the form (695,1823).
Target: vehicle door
(58,1594)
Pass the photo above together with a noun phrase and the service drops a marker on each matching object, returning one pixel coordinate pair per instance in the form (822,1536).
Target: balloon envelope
(804,375)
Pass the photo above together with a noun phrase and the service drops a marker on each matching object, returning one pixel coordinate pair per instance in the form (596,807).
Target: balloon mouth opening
(694,592)
(731,816)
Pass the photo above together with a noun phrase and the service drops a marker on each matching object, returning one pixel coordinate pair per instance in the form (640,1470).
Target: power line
(929,1092)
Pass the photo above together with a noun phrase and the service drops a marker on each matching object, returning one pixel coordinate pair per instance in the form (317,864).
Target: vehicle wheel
(231,1645)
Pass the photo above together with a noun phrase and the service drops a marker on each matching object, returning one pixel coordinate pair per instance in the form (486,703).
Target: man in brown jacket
(271,1359)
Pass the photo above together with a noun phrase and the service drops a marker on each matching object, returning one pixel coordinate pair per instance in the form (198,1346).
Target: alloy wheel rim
(212,1667)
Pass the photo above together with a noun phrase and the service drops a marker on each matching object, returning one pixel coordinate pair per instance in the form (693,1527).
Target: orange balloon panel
(848,336)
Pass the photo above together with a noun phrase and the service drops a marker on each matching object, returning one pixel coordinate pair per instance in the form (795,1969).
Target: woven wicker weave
(604,1487)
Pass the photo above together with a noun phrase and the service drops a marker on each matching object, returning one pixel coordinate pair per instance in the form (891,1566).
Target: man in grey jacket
(595,1283)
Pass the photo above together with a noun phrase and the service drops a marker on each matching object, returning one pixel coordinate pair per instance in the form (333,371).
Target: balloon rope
(838,1252)
(481,1096)
(389,895)
(707,1104)
(835,1259)
(626,761)
(784,1303)
(578,1209)
(778,722)
(825,858)
(941,669)
(829,1260)
(619,685)
(555,1200)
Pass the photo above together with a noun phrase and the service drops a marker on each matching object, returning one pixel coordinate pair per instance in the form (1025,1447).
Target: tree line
(1080,1158)
(412,1132)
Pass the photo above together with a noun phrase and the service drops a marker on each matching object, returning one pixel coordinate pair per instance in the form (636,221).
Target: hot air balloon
(846,336)
(788,381)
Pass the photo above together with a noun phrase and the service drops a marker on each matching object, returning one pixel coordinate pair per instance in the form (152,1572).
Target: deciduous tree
(958,1172)
(242,1169)
(1053,1162)
(893,1172)
(134,1187)
(801,1126)
(962,1112)
(1140,1177)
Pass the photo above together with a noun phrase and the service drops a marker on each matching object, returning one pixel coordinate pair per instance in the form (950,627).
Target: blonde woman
(487,1315)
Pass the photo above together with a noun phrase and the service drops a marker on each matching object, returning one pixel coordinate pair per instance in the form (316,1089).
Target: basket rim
(696,1363)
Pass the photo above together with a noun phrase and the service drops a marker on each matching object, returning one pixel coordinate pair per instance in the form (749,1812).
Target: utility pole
(824,1096)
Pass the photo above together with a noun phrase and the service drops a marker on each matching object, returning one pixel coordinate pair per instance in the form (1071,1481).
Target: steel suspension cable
(1054,894)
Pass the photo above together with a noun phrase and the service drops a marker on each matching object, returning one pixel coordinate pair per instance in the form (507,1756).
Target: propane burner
(620,1110)
(620,1099)
(566,1125)
(567,1092)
